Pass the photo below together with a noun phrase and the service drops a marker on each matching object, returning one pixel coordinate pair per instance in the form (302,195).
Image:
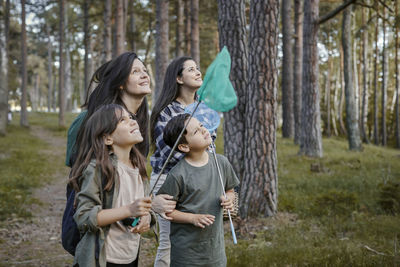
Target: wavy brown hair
(91,145)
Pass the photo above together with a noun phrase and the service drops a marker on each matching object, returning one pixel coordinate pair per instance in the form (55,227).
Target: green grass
(334,211)
(23,167)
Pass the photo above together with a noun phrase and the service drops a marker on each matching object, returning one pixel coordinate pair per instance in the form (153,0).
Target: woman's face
(191,75)
(138,83)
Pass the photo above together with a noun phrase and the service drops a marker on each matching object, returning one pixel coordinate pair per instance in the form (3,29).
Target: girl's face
(127,132)
(138,83)
(191,75)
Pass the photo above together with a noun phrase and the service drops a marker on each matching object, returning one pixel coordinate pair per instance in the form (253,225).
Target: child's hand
(143,226)
(202,220)
(227,202)
(163,204)
(140,207)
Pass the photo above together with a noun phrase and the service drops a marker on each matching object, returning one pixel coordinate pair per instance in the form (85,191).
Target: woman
(124,81)
(182,80)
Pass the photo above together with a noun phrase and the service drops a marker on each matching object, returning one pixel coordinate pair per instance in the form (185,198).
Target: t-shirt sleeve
(172,186)
(231,179)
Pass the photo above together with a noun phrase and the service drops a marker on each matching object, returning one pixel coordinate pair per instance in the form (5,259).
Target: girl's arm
(198,220)
(138,208)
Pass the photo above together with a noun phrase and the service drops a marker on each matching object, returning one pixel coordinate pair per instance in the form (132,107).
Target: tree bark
(162,47)
(287,71)
(311,138)
(86,42)
(67,67)
(61,92)
(342,93)
(179,32)
(259,188)
(232,34)
(187,28)
(365,70)
(397,74)
(328,98)
(351,101)
(120,28)
(4,35)
(376,122)
(107,48)
(297,68)
(132,27)
(24,112)
(195,35)
(384,82)
(49,68)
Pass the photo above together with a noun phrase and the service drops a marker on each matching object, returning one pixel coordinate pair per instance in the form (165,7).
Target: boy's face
(197,136)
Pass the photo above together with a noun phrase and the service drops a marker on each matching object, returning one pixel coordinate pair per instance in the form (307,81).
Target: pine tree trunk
(287,71)
(68,82)
(365,71)
(107,48)
(384,82)
(195,35)
(397,74)
(49,68)
(297,67)
(24,112)
(188,27)
(259,188)
(311,138)
(4,29)
(61,92)
(179,34)
(120,28)
(328,99)
(376,122)
(132,26)
(86,42)
(351,100)
(162,47)
(342,94)
(232,34)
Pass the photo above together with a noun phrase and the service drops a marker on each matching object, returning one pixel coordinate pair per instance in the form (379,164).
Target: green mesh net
(217,91)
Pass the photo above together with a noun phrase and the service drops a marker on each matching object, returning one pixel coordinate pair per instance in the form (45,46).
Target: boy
(197,234)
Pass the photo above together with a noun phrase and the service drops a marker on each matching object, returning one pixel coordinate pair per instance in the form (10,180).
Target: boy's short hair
(173,129)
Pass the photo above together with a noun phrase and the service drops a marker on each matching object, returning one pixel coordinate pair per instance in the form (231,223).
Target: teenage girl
(182,80)
(108,175)
(124,81)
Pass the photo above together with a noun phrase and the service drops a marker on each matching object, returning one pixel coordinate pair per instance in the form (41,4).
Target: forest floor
(339,210)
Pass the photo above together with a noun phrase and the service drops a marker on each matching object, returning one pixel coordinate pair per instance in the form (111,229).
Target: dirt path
(37,242)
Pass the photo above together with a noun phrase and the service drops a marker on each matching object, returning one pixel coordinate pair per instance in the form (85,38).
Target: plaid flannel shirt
(162,150)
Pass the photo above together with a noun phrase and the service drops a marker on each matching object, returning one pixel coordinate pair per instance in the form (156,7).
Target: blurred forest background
(318,106)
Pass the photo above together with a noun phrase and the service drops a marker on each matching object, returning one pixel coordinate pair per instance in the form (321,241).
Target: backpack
(70,235)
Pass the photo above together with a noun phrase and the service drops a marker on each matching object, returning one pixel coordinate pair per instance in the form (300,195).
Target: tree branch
(385,5)
(335,11)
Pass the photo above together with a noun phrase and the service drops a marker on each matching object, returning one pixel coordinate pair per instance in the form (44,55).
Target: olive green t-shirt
(198,190)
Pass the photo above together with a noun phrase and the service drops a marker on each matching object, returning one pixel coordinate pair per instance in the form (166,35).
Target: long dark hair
(103,122)
(109,78)
(169,92)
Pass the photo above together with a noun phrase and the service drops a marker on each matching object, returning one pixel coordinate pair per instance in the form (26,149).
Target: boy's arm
(198,220)
(227,202)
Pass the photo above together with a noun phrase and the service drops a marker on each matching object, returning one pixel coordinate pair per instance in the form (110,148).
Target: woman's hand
(140,207)
(143,226)
(163,204)
(202,220)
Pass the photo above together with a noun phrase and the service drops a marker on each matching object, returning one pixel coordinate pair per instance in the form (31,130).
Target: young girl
(182,80)
(108,175)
